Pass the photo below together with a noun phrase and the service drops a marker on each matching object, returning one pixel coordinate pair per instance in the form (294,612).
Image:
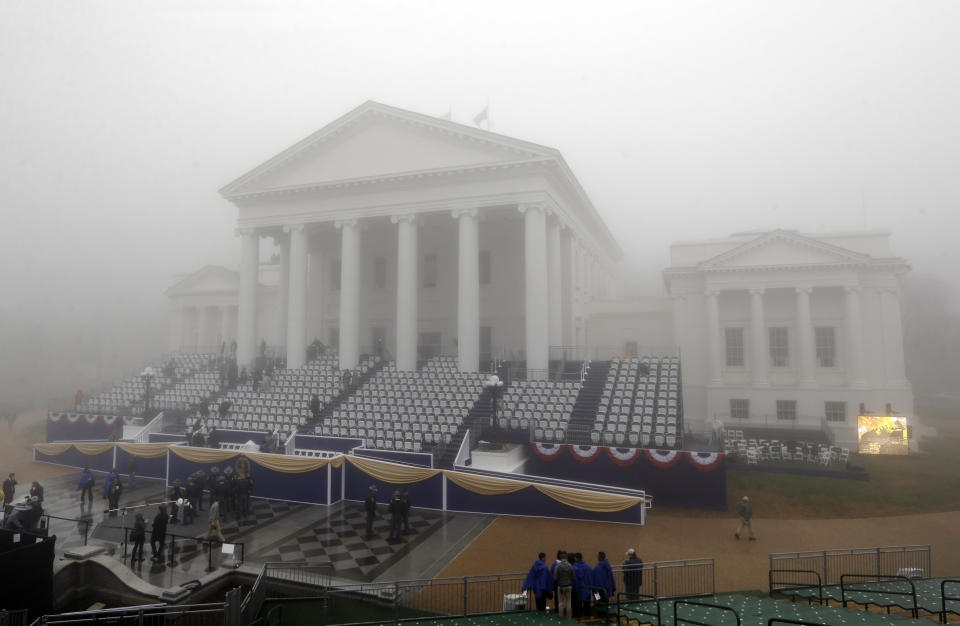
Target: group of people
(24,514)
(112,490)
(575,587)
(399,509)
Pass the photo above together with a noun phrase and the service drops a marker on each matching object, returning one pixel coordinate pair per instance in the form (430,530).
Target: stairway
(445,454)
(588,401)
(330,407)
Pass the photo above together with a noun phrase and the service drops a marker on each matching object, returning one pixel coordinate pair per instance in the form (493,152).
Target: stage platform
(275,531)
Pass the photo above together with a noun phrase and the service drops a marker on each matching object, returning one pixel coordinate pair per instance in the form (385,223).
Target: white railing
(288,446)
(464,452)
(154,426)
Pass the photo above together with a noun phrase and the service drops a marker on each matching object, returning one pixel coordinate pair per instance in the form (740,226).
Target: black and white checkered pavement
(340,539)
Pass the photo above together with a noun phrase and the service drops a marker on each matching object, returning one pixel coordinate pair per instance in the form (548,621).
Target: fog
(120,120)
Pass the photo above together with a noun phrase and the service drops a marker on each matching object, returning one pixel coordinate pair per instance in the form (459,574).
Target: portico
(496,209)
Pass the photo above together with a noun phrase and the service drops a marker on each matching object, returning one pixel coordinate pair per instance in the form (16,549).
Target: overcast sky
(120,120)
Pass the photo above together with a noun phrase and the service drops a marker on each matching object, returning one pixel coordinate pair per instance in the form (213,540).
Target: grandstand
(190,380)
(540,407)
(409,411)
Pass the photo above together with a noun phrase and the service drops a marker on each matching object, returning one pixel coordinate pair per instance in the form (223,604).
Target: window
(779,347)
(787,410)
(429,275)
(379,273)
(835,411)
(739,409)
(826,342)
(734,339)
(335,275)
(485,276)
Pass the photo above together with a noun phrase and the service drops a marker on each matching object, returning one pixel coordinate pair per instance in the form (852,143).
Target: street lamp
(147,376)
(495,386)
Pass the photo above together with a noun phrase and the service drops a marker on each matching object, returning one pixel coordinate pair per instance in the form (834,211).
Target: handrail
(770,581)
(944,598)
(85,523)
(636,600)
(154,425)
(677,619)
(912,593)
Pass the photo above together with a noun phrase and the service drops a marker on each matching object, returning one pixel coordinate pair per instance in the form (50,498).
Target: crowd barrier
(678,477)
(827,566)
(328,480)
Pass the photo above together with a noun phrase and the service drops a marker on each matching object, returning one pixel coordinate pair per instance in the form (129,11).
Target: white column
(555,278)
(283,289)
(893,339)
(176,333)
(714,345)
(407,291)
(853,322)
(535,262)
(568,280)
(805,338)
(247,312)
(468,291)
(349,293)
(758,337)
(296,339)
(315,297)
(203,328)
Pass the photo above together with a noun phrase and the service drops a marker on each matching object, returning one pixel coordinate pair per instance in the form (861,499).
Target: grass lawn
(920,483)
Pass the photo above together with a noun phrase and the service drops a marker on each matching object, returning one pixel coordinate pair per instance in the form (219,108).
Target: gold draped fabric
(145,450)
(51,449)
(484,485)
(286,464)
(390,473)
(203,455)
(94,448)
(589,500)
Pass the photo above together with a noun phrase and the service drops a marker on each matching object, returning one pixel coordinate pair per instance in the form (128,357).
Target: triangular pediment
(376,141)
(783,249)
(208,280)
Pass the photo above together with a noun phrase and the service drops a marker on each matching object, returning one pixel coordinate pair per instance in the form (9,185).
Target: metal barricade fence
(62,526)
(19,617)
(212,614)
(832,564)
(672,579)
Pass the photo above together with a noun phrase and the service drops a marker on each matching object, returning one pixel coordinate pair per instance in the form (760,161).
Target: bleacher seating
(284,405)
(541,407)
(127,396)
(641,405)
(754,450)
(409,411)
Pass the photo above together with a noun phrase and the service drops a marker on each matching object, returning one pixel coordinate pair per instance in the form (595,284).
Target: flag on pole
(482,116)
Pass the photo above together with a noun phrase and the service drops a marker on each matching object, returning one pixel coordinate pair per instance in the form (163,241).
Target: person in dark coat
(175,493)
(244,489)
(315,407)
(85,487)
(36,491)
(230,490)
(396,513)
(370,506)
(137,536)
(213,439)
(158,533)
(9,489)
(633,574)
(212,484)
(540,581)
(405,511)
(113,496)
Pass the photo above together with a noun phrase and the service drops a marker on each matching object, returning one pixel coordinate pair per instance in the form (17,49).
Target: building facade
(411,236)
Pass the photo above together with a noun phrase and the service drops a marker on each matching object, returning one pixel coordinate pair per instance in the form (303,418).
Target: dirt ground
(16,452)
(511,544)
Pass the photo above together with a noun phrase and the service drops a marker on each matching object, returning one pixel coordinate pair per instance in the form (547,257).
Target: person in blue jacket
(540,582)
(109,479)
(85,487)
(603,576)
(584,574)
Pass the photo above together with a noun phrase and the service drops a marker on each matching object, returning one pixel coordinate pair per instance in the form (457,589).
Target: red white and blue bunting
(624,457)
(89,418)
(547,451)
(584,454)
(705,461)
(663,458)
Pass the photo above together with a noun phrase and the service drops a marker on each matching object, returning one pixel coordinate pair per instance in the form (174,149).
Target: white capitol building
(413,236)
